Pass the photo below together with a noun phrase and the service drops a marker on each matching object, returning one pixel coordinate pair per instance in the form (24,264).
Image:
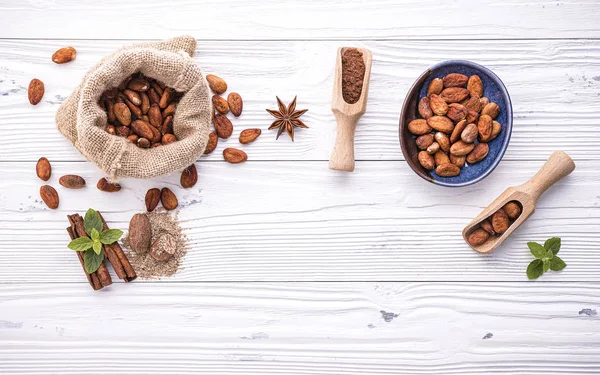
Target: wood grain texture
(284,216)
(554,86)
(313,19)
(308,328)
(282,221)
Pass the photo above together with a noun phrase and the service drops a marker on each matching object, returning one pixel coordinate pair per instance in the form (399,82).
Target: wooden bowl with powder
(349,102)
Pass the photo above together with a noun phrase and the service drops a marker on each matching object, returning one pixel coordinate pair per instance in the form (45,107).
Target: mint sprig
(546,258)
(92,245)
(92,221)
(92,260)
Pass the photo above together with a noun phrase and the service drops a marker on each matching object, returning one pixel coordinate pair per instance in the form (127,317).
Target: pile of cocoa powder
(144,264)
(353,75)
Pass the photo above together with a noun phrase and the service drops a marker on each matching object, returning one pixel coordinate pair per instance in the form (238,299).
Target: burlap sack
(82,121)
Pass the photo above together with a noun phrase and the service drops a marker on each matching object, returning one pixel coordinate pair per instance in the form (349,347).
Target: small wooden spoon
(347,115)
(558,166)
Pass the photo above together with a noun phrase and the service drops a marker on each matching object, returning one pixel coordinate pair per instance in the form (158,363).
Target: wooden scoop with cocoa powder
(477,232)
(349,103)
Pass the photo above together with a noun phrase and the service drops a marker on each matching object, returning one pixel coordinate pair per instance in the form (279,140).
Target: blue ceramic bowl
(494,90)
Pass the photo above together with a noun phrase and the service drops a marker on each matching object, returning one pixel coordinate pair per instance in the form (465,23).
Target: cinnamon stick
(117,258)
(92,278)
(79,230)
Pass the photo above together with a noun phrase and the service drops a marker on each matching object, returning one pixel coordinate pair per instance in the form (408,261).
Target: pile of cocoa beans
(141,109)
(496,224)
(456,124)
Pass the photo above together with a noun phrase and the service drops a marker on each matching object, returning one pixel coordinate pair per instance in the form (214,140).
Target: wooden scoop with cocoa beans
(495,223)
(349,103)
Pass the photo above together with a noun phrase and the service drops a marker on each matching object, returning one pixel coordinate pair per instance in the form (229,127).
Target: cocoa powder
(144,264)
(353,74)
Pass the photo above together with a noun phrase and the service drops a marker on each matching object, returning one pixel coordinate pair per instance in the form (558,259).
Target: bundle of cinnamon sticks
(113,252)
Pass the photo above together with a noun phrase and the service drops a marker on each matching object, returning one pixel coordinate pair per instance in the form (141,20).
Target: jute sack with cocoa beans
(82,121)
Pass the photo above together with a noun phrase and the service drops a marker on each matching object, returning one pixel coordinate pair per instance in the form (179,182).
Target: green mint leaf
(536,249)
(80,244)
(552,244)
(95,234)
(546,263)
(92,220)
(549,254)
(535,269)
(92,260)
(97,247)
(111,235)
(557,264)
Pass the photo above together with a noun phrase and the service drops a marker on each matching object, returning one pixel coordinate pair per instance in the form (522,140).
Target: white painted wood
(554,87)
(283,221)
(314,19)
(307,328)
(283,216)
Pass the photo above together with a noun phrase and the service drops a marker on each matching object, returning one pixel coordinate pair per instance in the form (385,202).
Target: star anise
(287,118)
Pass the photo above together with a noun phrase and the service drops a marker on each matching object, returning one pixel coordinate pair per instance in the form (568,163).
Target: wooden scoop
(558,166)
(347,115)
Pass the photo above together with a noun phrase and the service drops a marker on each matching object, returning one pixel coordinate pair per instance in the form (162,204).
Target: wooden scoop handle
(559,165)
(342,156)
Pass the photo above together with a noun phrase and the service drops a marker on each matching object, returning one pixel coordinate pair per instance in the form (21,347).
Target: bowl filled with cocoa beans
(456,123)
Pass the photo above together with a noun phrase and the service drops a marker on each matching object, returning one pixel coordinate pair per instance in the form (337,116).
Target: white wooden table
(293,268)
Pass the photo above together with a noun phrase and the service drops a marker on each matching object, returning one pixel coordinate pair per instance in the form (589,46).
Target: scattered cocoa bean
(216,84)
(49,196)
(140,233)
(64,55)
(35,92)
(168,199)
(236,105)
(43,169)
(189,177)
(220,104)
(223,126)
(104,185)
(152,199)
(72,181)
(213,140)
(234,156)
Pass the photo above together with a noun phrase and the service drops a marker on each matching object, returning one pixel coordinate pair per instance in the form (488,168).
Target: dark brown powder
(353,74)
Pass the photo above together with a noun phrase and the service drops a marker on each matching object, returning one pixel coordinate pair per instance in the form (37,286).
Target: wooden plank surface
(293,268)
(308,328)
(313,19)
(284,221)
(553,85)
